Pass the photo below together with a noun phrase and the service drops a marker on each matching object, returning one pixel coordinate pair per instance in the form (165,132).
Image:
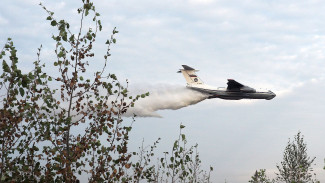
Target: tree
(182,164)
(54,128)
(41,136)
(296,164)
(260,177)
(17,117)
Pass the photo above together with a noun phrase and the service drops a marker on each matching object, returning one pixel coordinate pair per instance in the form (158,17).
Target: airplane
(234,90)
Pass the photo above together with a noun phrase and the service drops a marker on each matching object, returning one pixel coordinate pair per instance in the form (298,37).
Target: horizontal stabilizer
(188,68)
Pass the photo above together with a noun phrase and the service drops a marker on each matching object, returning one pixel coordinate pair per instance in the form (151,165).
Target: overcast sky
(273,44)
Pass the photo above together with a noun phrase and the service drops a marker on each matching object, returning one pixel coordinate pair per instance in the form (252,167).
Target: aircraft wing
(234,85)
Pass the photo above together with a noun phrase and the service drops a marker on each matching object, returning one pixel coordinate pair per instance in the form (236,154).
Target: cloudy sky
(273,44)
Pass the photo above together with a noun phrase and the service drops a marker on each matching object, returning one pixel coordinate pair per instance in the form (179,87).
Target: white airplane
(234,91)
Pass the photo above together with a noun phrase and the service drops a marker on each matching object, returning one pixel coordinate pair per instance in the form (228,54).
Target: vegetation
(296,166)
(182,164)
(260,177)
(57,134)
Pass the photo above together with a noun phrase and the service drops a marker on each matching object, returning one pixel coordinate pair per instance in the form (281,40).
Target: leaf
(113,76)
(2,54)
(175,145)
(115,31)
(61,54)
(22,91)
(54,23)
(183,137)
(89,37)
(49,18)
(25,81)
(64,37)
(5,67)
(182,126)
(100,25)
(127,166)
(71,38)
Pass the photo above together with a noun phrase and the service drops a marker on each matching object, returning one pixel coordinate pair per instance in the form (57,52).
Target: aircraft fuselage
(234,90)
(233,95)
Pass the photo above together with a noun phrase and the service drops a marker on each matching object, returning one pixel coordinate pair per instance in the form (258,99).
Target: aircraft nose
(272,95)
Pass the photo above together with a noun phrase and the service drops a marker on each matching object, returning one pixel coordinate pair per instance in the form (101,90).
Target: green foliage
(41,136)
(295,167)
(38,121)
(260,177)
(296,164)
(182,164)
(18,103)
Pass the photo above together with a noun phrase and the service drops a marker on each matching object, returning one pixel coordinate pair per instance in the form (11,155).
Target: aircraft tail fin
(190,75)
